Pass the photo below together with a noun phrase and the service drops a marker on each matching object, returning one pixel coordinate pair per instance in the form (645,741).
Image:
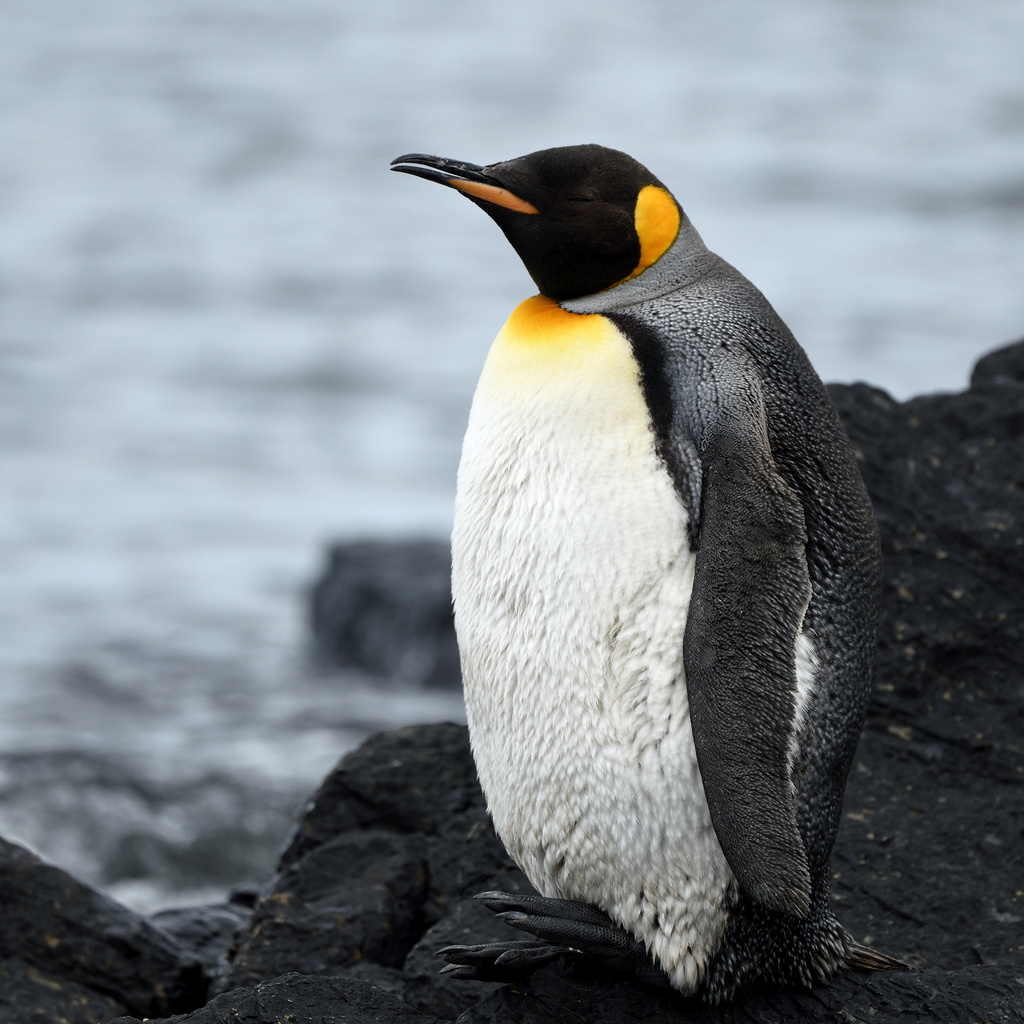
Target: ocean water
(228,335)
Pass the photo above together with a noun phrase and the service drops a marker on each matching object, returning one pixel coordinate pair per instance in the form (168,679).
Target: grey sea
(229,336)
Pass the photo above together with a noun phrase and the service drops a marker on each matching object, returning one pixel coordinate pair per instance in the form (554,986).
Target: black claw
(453,953)
(462,973)
(526,961)
(487,952)
(513,917)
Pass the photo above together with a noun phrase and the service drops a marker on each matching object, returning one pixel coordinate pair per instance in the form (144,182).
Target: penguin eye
(579,199)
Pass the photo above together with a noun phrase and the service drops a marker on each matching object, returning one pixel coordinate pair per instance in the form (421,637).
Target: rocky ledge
(929,862)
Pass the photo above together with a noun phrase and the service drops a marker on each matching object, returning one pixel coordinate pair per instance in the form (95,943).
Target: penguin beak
(467,178)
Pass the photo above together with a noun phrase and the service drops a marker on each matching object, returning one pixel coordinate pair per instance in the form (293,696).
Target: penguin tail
(864,958)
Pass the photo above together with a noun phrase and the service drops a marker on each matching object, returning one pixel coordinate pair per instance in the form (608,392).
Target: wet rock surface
(928,865)
(556,995)
(931,851)
(82,949)
(29,995)
(383,866)
(302,999)
(354,899)
(207,933)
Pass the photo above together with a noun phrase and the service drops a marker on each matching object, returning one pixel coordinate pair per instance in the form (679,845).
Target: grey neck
(684,261)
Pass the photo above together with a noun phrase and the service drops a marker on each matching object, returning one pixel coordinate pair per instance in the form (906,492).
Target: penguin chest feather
(572,577)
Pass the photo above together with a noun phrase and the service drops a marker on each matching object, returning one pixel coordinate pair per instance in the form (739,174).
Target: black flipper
(751,589)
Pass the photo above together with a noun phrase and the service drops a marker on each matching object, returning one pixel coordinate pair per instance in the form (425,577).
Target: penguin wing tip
(781,884)
(795,901)
(786,890)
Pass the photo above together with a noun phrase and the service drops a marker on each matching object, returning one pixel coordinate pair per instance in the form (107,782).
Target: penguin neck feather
(685,261)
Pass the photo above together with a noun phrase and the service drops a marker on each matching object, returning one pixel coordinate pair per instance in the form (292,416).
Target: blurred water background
(228,335)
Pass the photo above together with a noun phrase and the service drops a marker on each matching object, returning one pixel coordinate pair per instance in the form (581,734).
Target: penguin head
(582,218)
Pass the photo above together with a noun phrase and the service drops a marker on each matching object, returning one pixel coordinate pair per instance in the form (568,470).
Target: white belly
(572,578)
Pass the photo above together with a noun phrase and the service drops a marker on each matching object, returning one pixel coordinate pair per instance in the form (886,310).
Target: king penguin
(666,579)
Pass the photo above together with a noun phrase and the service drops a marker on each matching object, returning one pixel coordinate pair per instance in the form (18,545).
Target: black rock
(1004,366)
(936,799)
(385,608)
(207,933)
(405,780)
(393,839)
(68,932)
(29,995)
(301,999)
(946,476)
(353,899)
(564,992)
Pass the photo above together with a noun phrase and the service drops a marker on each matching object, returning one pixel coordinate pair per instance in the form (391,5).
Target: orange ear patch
(657,223)
(493,194)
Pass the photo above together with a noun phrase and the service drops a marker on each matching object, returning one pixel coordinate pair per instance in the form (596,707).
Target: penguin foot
(567,928)
(499,961)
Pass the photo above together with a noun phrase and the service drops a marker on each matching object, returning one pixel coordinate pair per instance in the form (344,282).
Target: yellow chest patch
(545,349)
